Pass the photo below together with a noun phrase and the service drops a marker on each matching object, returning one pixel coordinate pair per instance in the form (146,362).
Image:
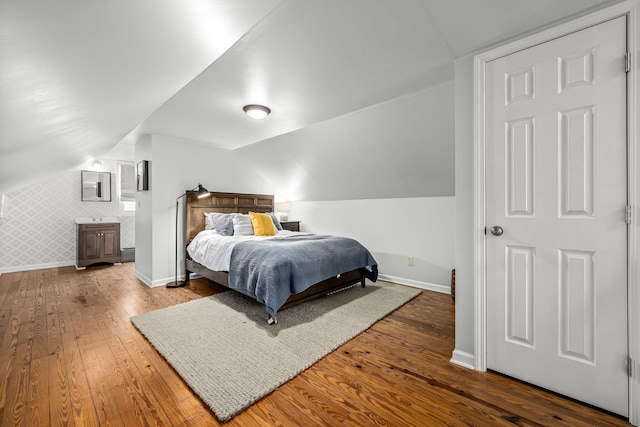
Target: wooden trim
(223,203)
(325,287)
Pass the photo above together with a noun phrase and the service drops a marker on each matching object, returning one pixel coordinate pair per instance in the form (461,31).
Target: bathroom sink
(95,220)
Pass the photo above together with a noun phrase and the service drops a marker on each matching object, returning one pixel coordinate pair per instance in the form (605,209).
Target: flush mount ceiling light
(256,112)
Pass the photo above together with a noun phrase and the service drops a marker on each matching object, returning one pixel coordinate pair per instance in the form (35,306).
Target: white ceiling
(78,76)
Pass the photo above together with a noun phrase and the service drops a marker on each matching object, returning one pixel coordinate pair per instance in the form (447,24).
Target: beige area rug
(224,350)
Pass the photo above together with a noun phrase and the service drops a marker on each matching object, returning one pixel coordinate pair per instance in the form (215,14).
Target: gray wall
(401,148)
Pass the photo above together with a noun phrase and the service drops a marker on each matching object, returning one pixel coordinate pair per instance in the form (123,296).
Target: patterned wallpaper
(39,230)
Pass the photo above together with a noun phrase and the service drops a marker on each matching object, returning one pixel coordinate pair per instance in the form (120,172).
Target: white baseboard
(37,266)
(159,282)
(162,282)
(153,283)
(416,284)
(144,279)
(464,359)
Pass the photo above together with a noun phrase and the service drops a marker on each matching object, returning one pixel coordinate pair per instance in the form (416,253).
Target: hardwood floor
(70,356)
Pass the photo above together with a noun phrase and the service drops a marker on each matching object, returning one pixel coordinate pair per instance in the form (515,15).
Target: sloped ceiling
(309,62)
(78,76)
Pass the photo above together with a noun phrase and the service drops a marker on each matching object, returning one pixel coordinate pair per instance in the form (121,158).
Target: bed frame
(245,203)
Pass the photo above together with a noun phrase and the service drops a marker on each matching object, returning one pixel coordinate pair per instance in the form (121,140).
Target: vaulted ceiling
(78,77)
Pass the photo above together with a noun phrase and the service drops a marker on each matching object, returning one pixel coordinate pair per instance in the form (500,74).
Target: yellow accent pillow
(262,224)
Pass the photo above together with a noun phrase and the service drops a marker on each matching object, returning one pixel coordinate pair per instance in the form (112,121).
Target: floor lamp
(202,192)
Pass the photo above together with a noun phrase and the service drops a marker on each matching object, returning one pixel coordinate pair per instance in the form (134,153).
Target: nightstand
(290,225)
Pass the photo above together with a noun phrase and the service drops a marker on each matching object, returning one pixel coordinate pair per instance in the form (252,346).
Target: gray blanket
(272,270)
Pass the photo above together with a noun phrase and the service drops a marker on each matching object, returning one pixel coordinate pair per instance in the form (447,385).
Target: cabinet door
(110,246)
(91,247)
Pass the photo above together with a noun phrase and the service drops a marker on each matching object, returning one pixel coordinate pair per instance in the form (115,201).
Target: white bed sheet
(213,250)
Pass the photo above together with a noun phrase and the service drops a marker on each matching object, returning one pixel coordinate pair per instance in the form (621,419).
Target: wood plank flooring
(70,356)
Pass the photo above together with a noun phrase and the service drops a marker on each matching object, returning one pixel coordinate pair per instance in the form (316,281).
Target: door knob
(496,230)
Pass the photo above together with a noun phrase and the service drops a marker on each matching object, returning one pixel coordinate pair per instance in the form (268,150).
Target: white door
(556,185)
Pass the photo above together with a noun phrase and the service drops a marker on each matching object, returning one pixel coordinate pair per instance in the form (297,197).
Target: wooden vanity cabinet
(98,242)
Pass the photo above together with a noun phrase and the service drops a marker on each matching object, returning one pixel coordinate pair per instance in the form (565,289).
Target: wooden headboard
(223,203)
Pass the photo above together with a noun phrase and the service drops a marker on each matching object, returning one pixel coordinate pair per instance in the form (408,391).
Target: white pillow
(208,221)
(242,225)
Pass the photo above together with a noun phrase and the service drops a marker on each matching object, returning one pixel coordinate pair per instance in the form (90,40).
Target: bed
(241,203)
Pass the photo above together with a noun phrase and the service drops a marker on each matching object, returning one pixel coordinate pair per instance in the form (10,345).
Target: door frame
(630,9)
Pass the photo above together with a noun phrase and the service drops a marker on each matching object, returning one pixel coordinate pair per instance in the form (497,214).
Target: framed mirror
(95,186)
(142,173)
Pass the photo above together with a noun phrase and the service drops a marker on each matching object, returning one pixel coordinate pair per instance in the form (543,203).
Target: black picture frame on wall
(142,175)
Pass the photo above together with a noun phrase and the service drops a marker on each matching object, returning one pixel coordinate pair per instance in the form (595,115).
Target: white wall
(39,230)
(464,205)
(175,166)
(144,223)
(178,166)
(392,230)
